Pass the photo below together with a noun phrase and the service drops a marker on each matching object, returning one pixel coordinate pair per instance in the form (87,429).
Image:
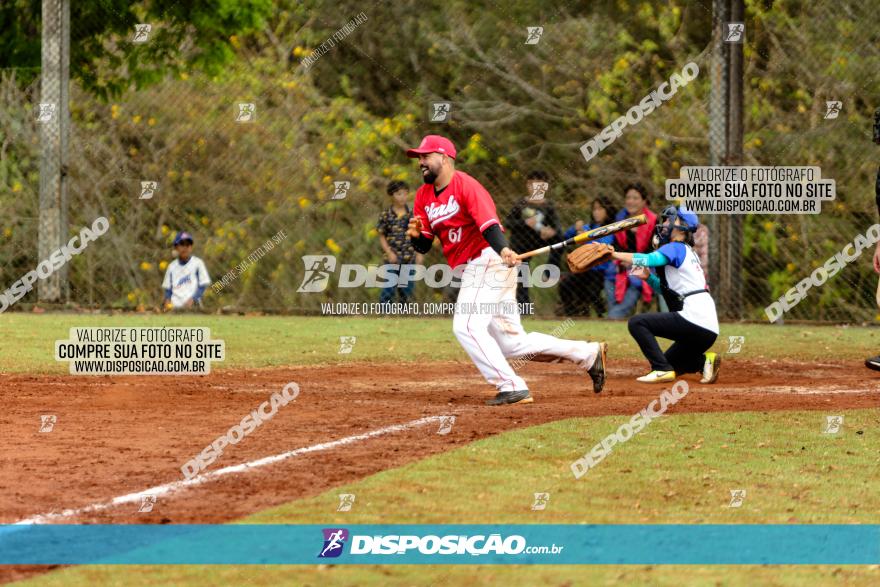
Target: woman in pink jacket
(628,289)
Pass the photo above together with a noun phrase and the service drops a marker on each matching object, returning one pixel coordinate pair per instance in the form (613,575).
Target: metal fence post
(718,99)
(54,118)
(732,274)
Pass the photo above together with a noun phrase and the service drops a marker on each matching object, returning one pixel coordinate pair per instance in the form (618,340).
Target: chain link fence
(271,147)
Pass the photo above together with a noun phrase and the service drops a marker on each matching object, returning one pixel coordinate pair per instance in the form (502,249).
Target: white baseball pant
(487,324)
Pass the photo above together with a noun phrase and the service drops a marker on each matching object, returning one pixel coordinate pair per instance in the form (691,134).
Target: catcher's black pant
(689,341)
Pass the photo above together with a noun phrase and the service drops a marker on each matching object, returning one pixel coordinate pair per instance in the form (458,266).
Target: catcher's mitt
(589,255)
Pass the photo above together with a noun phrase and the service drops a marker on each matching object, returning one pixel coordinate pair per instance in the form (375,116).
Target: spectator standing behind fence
(532,223)
(579,293)
(396,246)
(628,289)
(186,277)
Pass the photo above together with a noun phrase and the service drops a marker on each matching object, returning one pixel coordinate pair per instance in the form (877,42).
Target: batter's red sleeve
(479,205)
(419,212)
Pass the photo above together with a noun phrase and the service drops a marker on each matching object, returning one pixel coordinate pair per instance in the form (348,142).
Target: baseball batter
(455,208)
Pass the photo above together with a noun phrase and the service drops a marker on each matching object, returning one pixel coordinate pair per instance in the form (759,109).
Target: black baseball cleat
(511,397)
(873,363)
(597,371)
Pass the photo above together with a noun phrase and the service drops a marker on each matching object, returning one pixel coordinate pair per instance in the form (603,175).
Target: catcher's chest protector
(674,302)
(682,281)
(684,288)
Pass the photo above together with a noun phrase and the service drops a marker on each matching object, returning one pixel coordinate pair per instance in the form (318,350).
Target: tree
(185,36)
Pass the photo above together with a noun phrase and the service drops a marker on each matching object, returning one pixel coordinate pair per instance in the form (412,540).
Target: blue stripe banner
(440,544)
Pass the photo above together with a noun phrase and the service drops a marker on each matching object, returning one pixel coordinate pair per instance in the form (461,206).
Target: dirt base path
(118,435)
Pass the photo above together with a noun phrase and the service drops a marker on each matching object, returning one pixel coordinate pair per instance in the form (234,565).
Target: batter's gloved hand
(588,256)
(414,230)
(509,257)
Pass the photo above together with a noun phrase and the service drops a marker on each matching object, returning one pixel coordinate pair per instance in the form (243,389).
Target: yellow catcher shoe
(711,368)
(657,377)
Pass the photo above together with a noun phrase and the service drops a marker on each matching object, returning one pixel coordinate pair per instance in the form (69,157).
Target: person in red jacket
(628,289)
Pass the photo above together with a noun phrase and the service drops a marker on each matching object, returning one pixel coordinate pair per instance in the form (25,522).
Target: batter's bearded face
(430,165)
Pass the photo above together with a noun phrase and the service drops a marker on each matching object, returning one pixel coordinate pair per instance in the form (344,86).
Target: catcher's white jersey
(684,274)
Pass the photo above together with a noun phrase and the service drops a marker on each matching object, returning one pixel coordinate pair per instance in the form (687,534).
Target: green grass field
(680,469)
(515,575)
(27,345)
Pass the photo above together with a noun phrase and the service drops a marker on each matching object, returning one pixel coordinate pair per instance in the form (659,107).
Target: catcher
(692,323)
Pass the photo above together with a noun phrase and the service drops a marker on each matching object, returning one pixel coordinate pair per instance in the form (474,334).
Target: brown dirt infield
(117,435)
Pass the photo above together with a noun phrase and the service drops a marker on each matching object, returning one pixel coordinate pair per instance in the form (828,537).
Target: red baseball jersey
(458,217)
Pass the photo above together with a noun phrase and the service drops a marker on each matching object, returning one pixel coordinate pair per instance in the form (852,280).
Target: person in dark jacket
(580,293)
(532,223)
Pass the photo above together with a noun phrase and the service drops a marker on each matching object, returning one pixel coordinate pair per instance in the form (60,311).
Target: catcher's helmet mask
(663,230)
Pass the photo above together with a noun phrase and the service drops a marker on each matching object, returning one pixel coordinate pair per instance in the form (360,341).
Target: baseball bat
(593,234)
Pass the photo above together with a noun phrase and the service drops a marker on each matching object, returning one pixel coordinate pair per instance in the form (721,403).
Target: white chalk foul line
(174,486)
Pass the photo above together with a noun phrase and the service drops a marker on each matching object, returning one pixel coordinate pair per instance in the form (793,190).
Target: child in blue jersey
(691,323)
(186,277)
